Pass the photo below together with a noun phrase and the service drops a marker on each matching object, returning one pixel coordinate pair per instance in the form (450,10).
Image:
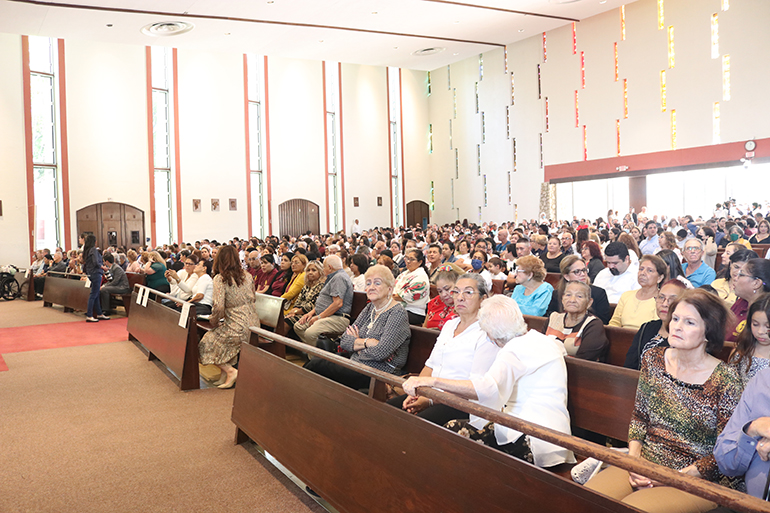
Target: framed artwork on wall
(233,204)
(196,205)
(215,205)
(355,201)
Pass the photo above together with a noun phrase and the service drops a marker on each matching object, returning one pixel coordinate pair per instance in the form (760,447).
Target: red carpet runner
(65,334)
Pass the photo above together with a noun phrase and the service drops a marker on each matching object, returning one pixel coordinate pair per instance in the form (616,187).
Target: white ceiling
(411,25)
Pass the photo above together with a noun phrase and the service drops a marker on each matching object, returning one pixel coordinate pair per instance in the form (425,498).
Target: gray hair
(382,272)
(500,317)
(334,262)
(481,283)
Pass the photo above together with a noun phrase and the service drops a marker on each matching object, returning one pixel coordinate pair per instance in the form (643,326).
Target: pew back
(620,342)
(270,311)
(66,290)
(415,463)
(359,303)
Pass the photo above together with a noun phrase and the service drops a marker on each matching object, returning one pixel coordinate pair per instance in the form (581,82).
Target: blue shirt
(703,275)
(735,451)
(650,246)
(536,303)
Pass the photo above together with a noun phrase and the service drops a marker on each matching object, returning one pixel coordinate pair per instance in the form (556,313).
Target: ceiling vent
(167,28)
(428,51)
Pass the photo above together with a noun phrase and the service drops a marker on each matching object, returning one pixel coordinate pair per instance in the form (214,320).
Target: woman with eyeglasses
(413,287)
(441,308)
(574,269)
(654,333)
(532,293)
(636,307)
(581,333)
(379,338)
(186,276)
(462,349)
(749,284)
(725,282)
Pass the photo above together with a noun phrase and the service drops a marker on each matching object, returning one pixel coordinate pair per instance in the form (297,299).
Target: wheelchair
(9,287)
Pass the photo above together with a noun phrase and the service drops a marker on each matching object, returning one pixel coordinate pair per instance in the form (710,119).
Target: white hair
(334,262)
(501,319)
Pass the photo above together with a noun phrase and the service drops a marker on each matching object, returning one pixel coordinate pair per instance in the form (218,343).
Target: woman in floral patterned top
(442,307)
(684,399)
(314,282)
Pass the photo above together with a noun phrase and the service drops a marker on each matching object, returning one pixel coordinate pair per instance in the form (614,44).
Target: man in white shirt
(650,245)
(620,275)
(355,227)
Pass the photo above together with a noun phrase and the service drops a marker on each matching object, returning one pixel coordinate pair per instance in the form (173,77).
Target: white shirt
(614,286)
(528,380)
(205,286)
(355,228)
(358,283)
(469,354)
(183,289)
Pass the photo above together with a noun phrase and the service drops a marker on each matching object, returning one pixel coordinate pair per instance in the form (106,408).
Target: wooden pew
(620,342)
(536,323)
(498,286)
(359,303)
(601,397)
(156,327)
(613,306)
(417,460)
(29,281)
(66,290)
(553,279)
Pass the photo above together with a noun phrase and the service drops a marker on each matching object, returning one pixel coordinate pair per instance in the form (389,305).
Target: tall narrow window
(541,151)
(661,19)
(510,189)
(333,102)
(539,88)
(515,167)
(454,103)
(585,143)
(671,46)
(582,70)
(432,196)
(429,83)
(161,64)
(452,187)
(714,36)
(574,38)
(717,129)
(625,98)
(451,144)
(430,136)
(622,22)
(725,5)
(726,77)
(577,110)
(481,67)
(617,137)
(396,148)
(545,50)
(673,129)
(486,195)
(663,90)
(483,128)
(505,58)
(617,71)
(547,128)
(476,92)
(513,90)
(507,121)
(448,77)
(45,136)
(457,163)
(255,142)
(478,159)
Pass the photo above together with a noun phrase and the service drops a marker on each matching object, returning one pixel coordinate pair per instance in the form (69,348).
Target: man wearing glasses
(694,269)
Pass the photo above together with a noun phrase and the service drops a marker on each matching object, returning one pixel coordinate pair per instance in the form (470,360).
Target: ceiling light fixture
(167,28)
(521,30)
(428,51)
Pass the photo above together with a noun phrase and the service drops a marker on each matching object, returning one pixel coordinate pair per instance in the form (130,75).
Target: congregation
(685,285)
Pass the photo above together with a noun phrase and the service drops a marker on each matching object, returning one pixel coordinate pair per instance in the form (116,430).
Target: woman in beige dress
(234,302)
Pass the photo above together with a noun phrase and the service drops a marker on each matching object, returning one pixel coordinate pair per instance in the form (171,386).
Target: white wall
(417,172)
(365,144)
(106,127)
(14,235)
(212,144)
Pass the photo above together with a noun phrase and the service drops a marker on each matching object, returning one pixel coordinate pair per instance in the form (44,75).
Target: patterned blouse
(391,329)
(678,423)
(438,314)
(307,296)
(748,367)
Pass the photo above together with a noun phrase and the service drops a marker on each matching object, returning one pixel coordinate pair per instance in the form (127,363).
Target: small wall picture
(355,201)
(233,204)
(196,205)
(214,205)
(379,201)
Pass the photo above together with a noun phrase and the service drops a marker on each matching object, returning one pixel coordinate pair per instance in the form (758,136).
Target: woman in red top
(440,309)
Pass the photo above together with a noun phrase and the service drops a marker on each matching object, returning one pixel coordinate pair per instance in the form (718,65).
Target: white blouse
(468,354)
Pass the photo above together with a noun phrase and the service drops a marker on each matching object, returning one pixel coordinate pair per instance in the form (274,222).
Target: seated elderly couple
(485,354)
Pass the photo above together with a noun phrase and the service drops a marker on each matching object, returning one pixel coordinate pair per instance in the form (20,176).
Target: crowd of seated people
(647,267)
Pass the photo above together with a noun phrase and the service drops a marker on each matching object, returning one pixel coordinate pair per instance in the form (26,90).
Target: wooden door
(297,216)
(417,213)
(113,224)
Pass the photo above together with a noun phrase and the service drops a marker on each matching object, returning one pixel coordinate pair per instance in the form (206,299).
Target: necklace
(378,312)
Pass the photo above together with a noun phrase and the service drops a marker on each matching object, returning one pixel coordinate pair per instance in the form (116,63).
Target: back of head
(228,265)
(501,318)
(109,258)
(334,262)
(617,249)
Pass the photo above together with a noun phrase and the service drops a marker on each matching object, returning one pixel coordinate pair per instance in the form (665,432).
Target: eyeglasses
(741,274)
(410,259)
(665,299)
(582,270)
(466,294)
(693,249)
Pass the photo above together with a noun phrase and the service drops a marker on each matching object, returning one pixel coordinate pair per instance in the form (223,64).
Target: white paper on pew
(146,297)
(88,283)
(185,314)
(139,296)
(26,275)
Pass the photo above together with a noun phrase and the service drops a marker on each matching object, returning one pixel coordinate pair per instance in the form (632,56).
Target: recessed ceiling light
(395,48)
(602,1)
(375,12)
(320,40)
(521,30)
(563,1)
(167,28)
(457,21)
(428,51)
(227,33)
(456,53)
(271,2)
(109,24)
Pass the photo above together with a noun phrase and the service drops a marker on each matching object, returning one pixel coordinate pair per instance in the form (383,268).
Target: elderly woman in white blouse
(527,380)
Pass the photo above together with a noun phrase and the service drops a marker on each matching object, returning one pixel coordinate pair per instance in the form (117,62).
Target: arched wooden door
(114,224)
(417,213)
(296,216)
